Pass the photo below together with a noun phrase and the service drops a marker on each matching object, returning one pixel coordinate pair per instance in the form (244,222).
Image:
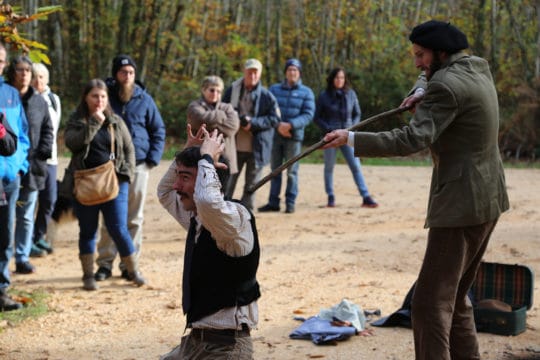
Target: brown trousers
(193,347)
(442,314)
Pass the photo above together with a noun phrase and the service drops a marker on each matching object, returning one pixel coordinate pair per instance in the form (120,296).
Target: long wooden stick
(321,143)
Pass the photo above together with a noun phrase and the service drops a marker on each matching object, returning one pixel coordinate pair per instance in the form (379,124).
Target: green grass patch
(35,306)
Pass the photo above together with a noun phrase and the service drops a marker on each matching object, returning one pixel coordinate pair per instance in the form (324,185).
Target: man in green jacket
(458,119)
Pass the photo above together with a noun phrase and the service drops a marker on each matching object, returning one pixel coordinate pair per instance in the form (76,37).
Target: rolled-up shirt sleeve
(170,200)
(227,221)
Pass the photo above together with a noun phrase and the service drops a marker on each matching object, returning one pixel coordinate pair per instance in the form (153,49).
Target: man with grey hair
(259,115)
(47,196)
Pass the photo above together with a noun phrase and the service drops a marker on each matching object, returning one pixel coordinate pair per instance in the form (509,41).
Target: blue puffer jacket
(297,106)
(11,106)
(143,120)
(337,110)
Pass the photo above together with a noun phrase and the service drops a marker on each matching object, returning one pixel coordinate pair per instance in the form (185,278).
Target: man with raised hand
(458,120)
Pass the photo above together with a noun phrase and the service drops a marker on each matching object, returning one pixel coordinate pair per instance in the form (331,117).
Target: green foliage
(10,20)
(176,43)
(35,306)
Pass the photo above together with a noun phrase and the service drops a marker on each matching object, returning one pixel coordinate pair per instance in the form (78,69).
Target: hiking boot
(87,264)
(24,268)
(102,274)
(132,268)
(289,209)
(268,208)
(44,245)
(369,202)
(7,303)
(331,201)
(36,251)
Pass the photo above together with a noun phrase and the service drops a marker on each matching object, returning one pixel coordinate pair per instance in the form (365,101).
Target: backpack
(53,101)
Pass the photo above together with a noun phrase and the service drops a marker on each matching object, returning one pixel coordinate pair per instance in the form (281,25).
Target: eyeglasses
(127,72)
(21,70)
(214,90)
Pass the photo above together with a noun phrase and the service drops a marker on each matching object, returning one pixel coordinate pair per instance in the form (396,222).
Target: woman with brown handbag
(95,136)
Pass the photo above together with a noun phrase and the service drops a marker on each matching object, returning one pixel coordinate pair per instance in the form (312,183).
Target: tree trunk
(124,23)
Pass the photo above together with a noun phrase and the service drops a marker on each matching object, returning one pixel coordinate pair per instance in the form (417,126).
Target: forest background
(175,43)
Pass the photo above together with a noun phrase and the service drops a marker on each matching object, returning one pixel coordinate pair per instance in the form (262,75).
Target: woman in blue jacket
(338,108)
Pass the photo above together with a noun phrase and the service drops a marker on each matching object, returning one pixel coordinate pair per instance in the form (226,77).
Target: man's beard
(435,66)
(125,92)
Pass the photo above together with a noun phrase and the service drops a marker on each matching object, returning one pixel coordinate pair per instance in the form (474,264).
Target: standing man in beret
(130,101)
(297,106)
(458,119)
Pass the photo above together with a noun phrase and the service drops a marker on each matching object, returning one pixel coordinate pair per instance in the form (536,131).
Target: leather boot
(132,268)
(7,303)
(87,262)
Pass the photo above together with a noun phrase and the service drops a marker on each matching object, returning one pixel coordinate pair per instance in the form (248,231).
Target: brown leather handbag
(99,184)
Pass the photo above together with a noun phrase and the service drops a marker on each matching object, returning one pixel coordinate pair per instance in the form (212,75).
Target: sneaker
(102,274)
(268,208)
(7,303)
(331,201)
(36,251)
(289,209)
(24,268)
(43,244)
(369,202)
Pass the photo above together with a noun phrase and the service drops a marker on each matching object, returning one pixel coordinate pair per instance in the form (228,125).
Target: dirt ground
(310,260)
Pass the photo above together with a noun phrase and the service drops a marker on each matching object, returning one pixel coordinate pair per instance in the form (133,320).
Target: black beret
(439,35)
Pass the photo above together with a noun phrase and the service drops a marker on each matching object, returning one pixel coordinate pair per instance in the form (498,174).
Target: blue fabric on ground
(321,331)
(346,311)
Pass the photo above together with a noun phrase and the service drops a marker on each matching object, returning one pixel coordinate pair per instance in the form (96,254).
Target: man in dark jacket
(259,115)
(130,101)
(458,119)
(40,132)
(297,105)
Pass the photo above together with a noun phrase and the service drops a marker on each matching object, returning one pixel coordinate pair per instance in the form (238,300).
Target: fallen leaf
(22,299)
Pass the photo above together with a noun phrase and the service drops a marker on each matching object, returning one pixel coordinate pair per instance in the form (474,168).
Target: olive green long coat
(458,120)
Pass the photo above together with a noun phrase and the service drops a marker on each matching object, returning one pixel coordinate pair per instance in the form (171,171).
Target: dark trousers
(252,176)
(442,314)
(46,200)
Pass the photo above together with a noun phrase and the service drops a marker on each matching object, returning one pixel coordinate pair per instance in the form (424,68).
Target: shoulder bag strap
(111,130)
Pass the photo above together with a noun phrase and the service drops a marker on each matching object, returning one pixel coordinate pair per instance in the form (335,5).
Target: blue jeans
(24,229)
(354,165)
(282,150)
(7,222)
(252,176)
(135,217)
(115,217)
(46,200)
